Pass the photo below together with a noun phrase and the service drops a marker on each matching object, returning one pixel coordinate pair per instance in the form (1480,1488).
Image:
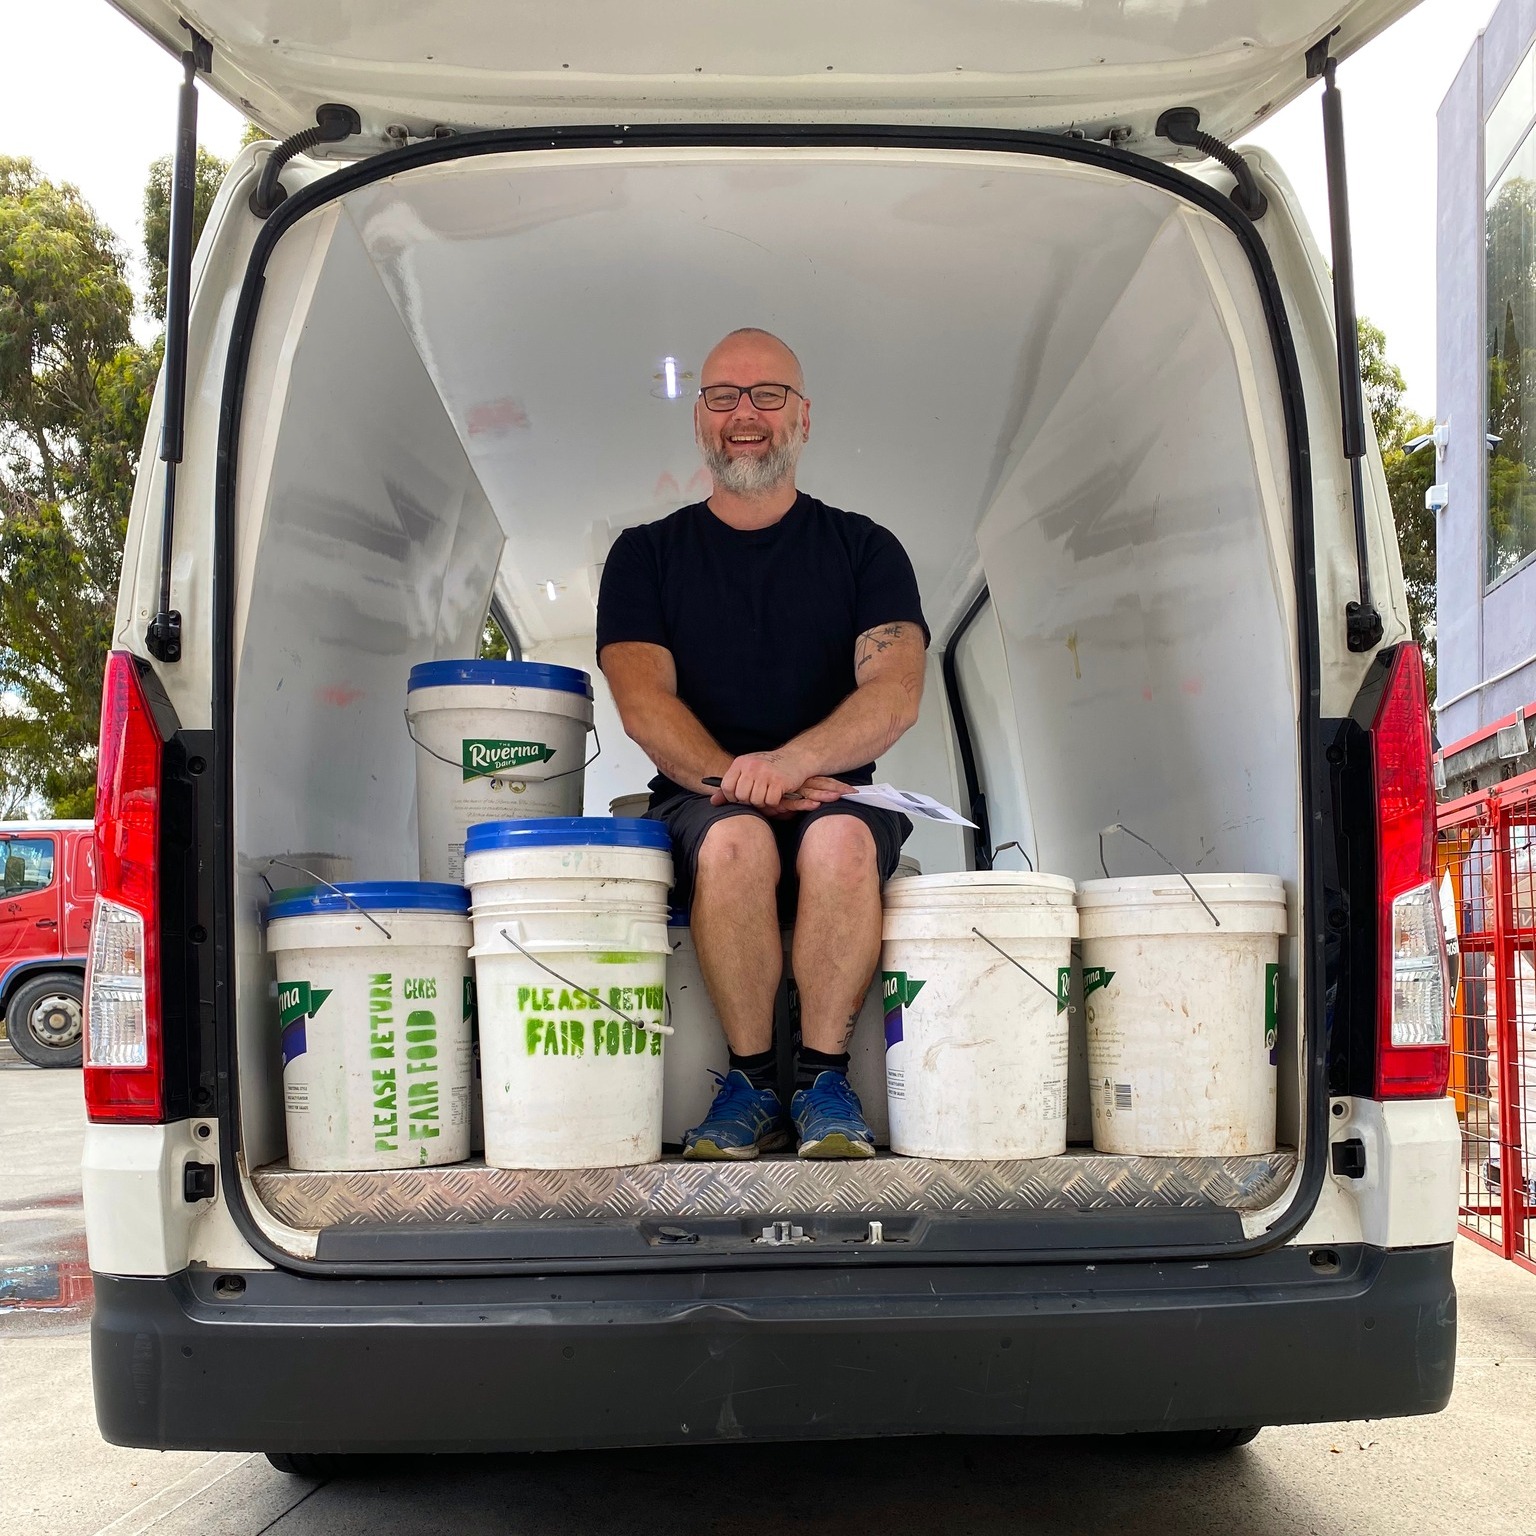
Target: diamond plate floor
(471,1192)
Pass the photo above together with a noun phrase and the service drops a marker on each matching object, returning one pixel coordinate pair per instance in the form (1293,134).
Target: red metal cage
(1486,860)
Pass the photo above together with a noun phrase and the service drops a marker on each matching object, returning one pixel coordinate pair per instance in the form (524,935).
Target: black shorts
(688,817)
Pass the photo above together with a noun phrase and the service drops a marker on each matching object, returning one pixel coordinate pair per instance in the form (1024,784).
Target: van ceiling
(942,307)
(996,63)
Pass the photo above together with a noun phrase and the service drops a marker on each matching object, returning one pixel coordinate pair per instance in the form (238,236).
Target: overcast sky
(92,101)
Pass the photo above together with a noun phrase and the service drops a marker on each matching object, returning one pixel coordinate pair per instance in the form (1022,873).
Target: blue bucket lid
(499,674)
(565,832)
(370,896)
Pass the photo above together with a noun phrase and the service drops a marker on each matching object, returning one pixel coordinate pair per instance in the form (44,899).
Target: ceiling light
(551,591)
(670,380)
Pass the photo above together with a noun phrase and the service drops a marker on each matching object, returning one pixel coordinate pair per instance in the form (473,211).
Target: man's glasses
(766,397)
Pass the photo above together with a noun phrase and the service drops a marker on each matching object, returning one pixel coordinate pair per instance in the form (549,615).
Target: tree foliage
(494,645)
(1409,476)
(75,391)
(206,181)
(74,395)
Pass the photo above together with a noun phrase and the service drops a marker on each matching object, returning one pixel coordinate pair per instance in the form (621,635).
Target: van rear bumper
(296,1363)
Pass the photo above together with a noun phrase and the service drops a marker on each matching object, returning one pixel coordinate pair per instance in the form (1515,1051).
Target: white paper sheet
(907,801)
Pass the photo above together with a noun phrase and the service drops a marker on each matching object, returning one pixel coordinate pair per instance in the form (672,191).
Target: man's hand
(775,781)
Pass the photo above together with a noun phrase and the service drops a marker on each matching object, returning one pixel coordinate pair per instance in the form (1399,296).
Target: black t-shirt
(761,623)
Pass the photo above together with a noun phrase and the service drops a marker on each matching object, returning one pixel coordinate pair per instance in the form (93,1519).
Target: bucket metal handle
(505,773)
(321,880)
(1018,966)
(1023,852)
(640,1024)
(1120,826)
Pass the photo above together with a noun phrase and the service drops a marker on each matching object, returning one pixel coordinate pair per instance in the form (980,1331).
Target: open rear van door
(1103,67)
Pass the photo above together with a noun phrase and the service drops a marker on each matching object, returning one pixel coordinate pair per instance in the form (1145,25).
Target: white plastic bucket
(630,807)
(374,999)
(1182,1012)
(570,919)
(494,740)
(975,1048)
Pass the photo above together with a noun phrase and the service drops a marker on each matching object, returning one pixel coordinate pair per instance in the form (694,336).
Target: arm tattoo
(874,641)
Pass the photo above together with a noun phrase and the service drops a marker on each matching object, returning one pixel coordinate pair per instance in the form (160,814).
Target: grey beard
(752,476)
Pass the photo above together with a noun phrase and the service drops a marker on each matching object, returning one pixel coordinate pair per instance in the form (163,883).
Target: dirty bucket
(630,807)
(494,740)
(974,985)
(570,919)
(1181,994)
(374,998)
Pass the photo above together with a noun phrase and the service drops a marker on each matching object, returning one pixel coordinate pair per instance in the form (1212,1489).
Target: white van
(1100,404)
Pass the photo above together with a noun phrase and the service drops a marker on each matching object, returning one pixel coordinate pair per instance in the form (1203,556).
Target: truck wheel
(45,1020)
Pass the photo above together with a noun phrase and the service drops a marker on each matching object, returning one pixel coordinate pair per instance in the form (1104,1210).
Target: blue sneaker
(830,1119)
(742,1122)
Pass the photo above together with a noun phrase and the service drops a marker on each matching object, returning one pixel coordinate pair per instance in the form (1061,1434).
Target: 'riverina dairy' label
(483,756)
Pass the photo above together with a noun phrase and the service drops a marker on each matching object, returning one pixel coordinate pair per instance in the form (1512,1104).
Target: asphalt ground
(1471,1469)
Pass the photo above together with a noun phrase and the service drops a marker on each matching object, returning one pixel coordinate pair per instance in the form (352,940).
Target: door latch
(1349,1158)
(198,1182)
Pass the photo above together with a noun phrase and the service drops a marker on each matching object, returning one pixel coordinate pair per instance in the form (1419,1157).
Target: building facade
(1486,404)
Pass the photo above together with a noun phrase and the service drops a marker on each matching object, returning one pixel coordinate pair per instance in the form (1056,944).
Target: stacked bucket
(562,936)
(377,981)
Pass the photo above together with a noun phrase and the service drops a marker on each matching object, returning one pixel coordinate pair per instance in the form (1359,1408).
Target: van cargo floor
(471,1192)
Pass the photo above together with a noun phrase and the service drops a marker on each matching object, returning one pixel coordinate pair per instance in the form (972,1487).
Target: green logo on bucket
(483,757)
(297,1002)
(1063,988)
(897,992)
(1094,977)
(1272,1013)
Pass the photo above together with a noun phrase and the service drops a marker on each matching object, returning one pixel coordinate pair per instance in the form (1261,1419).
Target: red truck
(49,872)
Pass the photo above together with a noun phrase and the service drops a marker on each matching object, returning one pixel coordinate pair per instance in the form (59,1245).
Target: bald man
(764,649)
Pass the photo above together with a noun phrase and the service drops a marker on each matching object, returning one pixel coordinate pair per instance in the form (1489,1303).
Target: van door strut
(163,637)
(1362,623)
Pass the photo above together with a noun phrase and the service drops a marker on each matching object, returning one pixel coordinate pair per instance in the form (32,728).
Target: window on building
(1511,337)
(1511,117)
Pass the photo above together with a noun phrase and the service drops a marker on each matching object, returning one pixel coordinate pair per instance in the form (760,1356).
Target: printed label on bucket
(483,756)
(1272,1013)
(297,1003)
(405,1082)
(569,1021)
(1116,1097)
(897,993)
(1094,977)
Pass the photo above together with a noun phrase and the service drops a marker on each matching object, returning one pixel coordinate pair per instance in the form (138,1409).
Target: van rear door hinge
(163,638)
(1362,623)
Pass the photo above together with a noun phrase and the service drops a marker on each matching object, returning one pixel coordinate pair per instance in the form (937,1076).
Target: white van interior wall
(373,548)
(1050,378)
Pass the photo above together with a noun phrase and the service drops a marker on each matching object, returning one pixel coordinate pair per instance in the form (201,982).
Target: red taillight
(124,1068)
(1413,1053)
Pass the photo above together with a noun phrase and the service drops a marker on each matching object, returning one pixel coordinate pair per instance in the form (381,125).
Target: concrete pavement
(1471,1469)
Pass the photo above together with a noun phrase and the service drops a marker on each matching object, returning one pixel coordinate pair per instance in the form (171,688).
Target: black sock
(809,1065)
(762,1070)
